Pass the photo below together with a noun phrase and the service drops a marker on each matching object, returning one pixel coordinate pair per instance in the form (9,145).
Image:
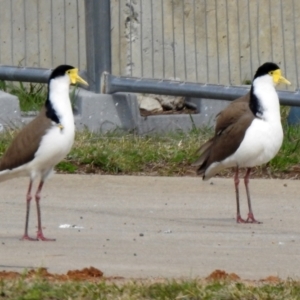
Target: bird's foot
(26,237)
(251,219)
(40,236)
(239,219)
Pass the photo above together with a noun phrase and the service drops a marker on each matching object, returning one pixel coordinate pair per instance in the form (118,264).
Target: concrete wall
(42,33)
(221,41)
(103,113)
(207,41)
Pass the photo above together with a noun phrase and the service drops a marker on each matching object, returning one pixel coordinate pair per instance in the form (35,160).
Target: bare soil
(92,274)
(187,170)
(188,111)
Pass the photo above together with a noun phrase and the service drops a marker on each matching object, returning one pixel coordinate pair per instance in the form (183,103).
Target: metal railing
(207,41)
(114,84)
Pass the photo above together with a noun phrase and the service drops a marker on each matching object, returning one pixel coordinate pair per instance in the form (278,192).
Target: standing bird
(248,133)
(44,142)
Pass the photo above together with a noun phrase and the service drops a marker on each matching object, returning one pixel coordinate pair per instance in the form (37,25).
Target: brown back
(26,143)
(229,115)
(231,126)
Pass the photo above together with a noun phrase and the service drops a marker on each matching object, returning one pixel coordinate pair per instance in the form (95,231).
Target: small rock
(149,103)
(141,234)
(171,102)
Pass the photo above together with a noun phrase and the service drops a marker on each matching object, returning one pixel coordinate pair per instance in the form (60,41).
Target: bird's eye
(271,73)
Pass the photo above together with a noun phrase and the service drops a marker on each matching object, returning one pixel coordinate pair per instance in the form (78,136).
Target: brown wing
(231,127)
(229,115)
(227,142)
(26,143)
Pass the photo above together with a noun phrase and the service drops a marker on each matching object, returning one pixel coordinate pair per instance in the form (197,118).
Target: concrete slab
(101,112)
(136,226)
(120,111)
(9,111)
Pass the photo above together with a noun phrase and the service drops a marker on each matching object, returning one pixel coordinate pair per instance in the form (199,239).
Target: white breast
(57,142)
(264,136)
(261,143)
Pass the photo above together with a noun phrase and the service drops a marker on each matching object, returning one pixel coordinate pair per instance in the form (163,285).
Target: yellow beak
(278,78)
(283,80)
(75,78)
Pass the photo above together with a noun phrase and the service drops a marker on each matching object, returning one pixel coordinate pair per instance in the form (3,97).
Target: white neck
(59,97)
(264,90)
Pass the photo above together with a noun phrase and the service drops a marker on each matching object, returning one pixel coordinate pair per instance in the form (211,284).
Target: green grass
(116,153)
(32,96)
(121,153)
(289,155)
(39,288)
(166,155)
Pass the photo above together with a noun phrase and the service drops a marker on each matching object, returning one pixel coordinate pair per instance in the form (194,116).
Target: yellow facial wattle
(278,78)
(75,78)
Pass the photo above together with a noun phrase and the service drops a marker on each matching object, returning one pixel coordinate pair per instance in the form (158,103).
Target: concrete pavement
(137,226)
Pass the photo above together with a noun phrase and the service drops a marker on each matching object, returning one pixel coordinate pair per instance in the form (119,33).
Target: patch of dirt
(92,274)
(187,170)
(271,279)
(145,113)
(222,275)
(219,275)
(86,274)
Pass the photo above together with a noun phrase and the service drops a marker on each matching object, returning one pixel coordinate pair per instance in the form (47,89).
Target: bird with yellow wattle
(44,142)
(248,133)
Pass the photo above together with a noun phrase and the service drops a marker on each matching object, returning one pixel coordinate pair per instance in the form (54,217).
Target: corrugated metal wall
(208,41)
(42,33)
(213,41)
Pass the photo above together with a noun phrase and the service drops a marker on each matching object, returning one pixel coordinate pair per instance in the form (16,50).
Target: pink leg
(40,235)
(28,199)
(236,184)
(250,218)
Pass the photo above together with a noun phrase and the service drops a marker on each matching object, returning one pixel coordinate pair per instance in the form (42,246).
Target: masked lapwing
(44,142)
(248,133)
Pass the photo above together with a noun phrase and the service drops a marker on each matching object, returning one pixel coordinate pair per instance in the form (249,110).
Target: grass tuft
(168,155)
(40,288)
(31,95)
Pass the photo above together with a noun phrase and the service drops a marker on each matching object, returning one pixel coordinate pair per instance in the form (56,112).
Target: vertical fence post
(98,41)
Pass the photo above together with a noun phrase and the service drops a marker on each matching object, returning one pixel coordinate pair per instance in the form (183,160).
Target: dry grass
(225,289)
(168,155)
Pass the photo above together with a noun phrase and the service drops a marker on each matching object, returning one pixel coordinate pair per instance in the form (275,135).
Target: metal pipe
(24,74)
(98,40)
(102,36)
(113,84)
(38,75)
(89,43)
